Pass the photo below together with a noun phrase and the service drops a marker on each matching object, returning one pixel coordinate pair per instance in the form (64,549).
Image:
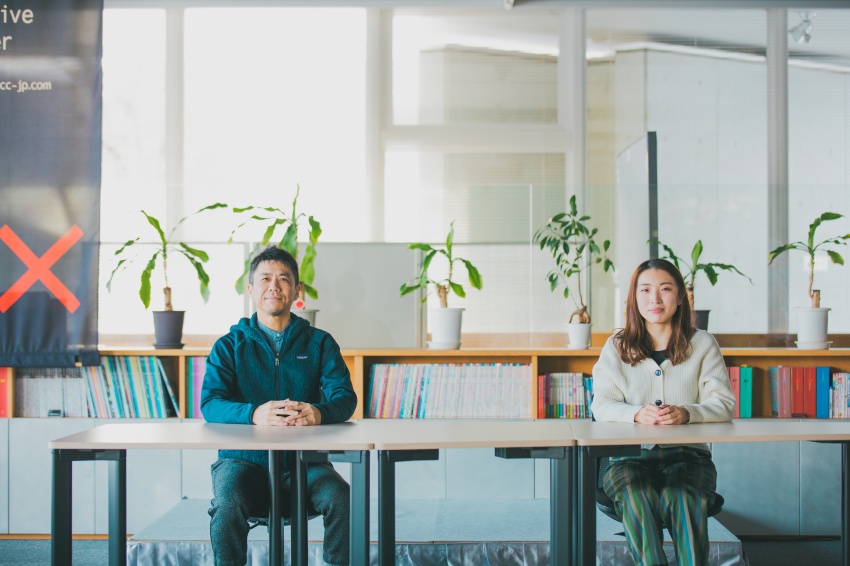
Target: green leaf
(457,289)
(315,230)
(114,271)
(307,271)
(474,276)
(269,232)
(126,245)
(310,291)
(772,255)
(710,273)
(426,261)
(242,281)
(408,288)
(420,246)
(290,240)
(695,253)
(835,257)
(200,254)
(450,238)
(155,223)
(145,287)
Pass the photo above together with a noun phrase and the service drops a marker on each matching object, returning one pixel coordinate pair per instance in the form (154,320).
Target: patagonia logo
(301,357)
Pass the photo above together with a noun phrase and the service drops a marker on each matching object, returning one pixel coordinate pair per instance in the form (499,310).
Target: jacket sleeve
(338,397)
(218,390)
(716,400)
(609,384)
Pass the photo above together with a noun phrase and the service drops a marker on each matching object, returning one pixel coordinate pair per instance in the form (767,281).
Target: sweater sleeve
(716,402)
(338,397)
(609,385)
(217,404)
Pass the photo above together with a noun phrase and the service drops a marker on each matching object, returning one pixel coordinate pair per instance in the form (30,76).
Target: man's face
(273,289)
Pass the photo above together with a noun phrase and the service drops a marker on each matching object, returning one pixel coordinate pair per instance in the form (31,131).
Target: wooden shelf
(541,360)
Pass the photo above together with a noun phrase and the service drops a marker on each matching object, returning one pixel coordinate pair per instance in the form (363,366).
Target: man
(274,369)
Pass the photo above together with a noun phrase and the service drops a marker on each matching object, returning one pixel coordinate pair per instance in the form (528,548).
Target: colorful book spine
(5,380)
(822,392)
(735,383)
(746,392)
(797,388)
(810,398)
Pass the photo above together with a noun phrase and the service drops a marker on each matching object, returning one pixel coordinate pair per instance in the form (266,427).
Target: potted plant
(813,321)
(573,245)
(275,219)
(168,323)
(693,268)
(445,321)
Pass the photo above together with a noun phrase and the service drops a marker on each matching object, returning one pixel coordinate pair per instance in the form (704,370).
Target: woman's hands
(287,413)
(662,415)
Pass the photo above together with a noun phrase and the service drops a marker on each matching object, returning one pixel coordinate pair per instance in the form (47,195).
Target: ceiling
(536,30)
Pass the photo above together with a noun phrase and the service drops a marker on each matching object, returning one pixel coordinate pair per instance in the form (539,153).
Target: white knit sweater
(700,384)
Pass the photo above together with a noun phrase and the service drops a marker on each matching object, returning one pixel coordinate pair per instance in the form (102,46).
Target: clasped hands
(662,415)
(287,413)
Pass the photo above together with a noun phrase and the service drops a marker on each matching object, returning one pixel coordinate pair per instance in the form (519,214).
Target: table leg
(275,554)
(386,509)
(298,523)
(359,521)
(561,510)
(118,511)
(386,497)
(60,528)
(845,503)
(587,506)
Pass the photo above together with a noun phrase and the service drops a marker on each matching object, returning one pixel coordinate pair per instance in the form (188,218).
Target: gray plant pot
(701,318)
(168,329)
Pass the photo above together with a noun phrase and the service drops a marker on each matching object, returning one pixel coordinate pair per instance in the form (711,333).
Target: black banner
(50,143)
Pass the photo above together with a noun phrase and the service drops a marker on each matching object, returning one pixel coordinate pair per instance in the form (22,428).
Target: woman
(661,370)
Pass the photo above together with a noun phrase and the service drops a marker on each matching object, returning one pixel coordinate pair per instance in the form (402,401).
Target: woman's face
(657,296)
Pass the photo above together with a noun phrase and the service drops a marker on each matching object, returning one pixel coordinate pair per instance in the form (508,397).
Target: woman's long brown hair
(633,342)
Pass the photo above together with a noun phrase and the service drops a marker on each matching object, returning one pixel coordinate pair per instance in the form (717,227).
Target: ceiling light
(802,32)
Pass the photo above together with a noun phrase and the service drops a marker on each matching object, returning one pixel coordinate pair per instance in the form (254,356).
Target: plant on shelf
(445,321)
(166,247)
(573,245)
(695,267)
(275,219)
(811,248)
(444,286)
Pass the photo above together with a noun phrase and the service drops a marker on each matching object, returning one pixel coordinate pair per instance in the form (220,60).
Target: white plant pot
(812,326)
(579,335)
(445,328)
(307,314)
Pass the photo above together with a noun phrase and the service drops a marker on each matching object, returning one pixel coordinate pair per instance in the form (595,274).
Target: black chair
(606,505)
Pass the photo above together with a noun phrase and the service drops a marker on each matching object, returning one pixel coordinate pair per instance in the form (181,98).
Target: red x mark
(39,268)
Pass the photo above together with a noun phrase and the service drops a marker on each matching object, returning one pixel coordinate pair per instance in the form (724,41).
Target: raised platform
(432,531)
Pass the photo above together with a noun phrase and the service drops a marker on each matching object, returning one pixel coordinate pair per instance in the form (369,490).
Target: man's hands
(287,413)
(662,415)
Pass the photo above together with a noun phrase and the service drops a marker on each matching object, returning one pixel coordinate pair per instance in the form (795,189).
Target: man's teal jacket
(243,372)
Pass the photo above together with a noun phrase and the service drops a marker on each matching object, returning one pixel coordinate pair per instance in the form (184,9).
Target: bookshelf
(545,360)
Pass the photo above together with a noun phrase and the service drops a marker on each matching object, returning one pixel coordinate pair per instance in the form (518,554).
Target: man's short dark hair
(274,253)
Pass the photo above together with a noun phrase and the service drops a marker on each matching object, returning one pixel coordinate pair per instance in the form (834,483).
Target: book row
(445,391)
(564,395)
(121,387)
(808,392)
(195,368)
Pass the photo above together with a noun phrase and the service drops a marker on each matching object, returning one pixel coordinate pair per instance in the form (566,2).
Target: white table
(399,440)
(110,442)
(599,439)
